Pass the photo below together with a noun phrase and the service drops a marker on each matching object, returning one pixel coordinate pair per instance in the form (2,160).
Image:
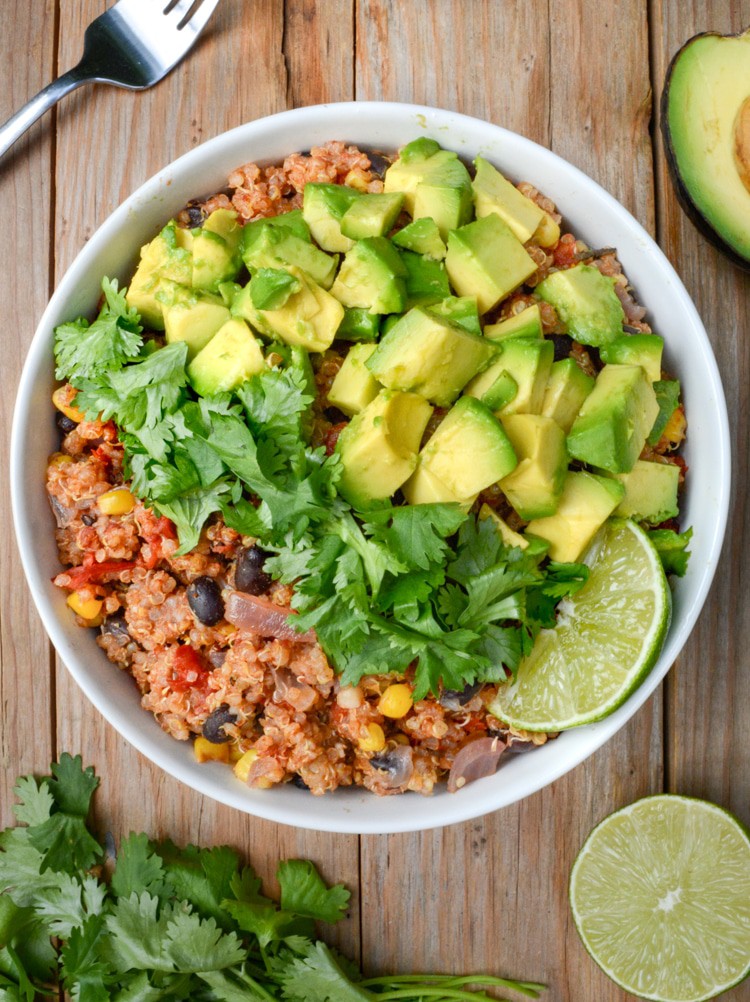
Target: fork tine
(197,19)
(175,10)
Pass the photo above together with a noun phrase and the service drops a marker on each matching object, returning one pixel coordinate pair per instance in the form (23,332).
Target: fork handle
(15,127)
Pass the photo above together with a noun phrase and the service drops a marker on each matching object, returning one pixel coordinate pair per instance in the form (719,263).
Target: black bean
(204,598)
(195,214)
(563,343)
(299,782)
(213,728)
(88,519)
(116,624)
(64,423)
(249,575)
(378,164)
(452,699)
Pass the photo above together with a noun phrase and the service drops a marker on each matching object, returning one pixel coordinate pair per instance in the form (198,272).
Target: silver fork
(133,44)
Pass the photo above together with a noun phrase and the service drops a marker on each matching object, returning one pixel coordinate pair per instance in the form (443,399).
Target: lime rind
(607,639)
(660,896)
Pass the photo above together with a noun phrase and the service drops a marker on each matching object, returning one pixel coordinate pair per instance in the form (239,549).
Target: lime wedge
(660,894)
(607,637)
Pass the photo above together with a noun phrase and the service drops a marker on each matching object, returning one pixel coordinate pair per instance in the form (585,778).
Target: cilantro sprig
(171,923)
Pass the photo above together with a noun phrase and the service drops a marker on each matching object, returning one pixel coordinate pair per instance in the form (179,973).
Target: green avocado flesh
(706,124)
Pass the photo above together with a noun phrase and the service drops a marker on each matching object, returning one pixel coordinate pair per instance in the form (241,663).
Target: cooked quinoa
(273,704)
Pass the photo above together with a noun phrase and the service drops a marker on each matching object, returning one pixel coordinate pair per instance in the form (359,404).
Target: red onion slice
(258,615)
(475,760)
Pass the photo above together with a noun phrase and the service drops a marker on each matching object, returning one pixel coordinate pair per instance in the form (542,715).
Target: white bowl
(593,215)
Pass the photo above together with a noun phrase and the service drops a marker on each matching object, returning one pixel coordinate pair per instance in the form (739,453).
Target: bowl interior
(591,214)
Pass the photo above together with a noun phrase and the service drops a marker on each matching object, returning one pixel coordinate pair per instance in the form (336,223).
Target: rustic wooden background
(581,77)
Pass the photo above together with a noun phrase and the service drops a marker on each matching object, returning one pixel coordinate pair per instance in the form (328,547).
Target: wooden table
(580,77)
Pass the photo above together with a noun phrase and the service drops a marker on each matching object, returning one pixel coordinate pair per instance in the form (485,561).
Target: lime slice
(660,894)
(607,637)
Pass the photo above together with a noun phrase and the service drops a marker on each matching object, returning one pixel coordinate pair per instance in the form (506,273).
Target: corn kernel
(242,766)
(60,459)
(373,738)
(547,232)
(235,753)
(61,402)
(396,701)
(86,608)
(206,751)
(355,179)
(120,501)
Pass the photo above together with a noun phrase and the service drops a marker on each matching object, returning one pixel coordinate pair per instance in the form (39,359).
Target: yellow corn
(396,701)
(59,459)
(206,751)
(242,766)
(356,179)
(86,608)
(235,753)
(547,232)
(117,502)
(62,404)
(372,739)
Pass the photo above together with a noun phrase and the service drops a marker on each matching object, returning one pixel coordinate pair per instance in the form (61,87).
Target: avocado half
(705,121)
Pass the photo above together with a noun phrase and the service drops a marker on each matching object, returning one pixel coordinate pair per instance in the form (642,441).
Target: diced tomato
(332,436)
(474,725)
(91,572)
(189,670)
(154,530)
(565,252)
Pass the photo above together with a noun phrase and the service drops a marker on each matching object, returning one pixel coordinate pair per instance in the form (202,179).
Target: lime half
(660,894)
(607,637)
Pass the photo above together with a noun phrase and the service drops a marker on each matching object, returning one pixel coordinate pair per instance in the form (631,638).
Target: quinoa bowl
(113,251)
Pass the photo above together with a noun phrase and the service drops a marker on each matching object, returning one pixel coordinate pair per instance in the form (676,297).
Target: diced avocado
(425,354)
(359,325)
(527,323)
(437,186)
(309,318)
(372,215)
(214,260)
(469,451)
(586,503)
(650,492)
(501,393)
(270,288)
(323,206)
(150,296)
(461,310)
(423,237)
(494,193)
(372,276)
(293,221)
(637,349)
(277,246)
(423,487)
(615,419)
(378,448)
(567,387)
(231,356)
(486,260)
(418,149)
(535,486)
(586,302)
(354,386)
(194,322)
(529,362)
(426,280)
(509,536)
(225,223)
(164,264)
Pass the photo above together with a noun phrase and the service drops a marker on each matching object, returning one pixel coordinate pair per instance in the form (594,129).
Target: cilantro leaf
(138,868)
(417,534)
(317,977)
(304,891)
(196,944)
(36,801)
(203,877)
(85,974)
(72,786)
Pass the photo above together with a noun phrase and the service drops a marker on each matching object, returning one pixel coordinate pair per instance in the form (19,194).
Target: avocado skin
(690,209)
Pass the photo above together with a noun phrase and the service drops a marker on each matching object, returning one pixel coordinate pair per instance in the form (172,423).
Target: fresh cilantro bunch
(170,923)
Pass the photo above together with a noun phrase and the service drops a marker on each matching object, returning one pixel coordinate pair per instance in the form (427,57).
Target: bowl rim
(347,815)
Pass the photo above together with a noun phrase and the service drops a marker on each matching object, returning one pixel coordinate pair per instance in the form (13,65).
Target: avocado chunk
(706,125)
(358,325)
(425,354)
(650,492)
(421,236)
(194,321)
(165,263)
(372,277)
(378,448)
(509,536)
(423,487)
(436,185)
(461,310)
(309,317)
(323,207)
(527,323)
(586,503)
(426,280)
(214,260)
(372,215)
(567,387)
(535,485)
(292,221)
(637,349)
(615,419)
(231,356)
(354,386)
(586,302)
(528,361)
(469,451)
(271,288)
(486,260)
(278,246)
(494,193)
